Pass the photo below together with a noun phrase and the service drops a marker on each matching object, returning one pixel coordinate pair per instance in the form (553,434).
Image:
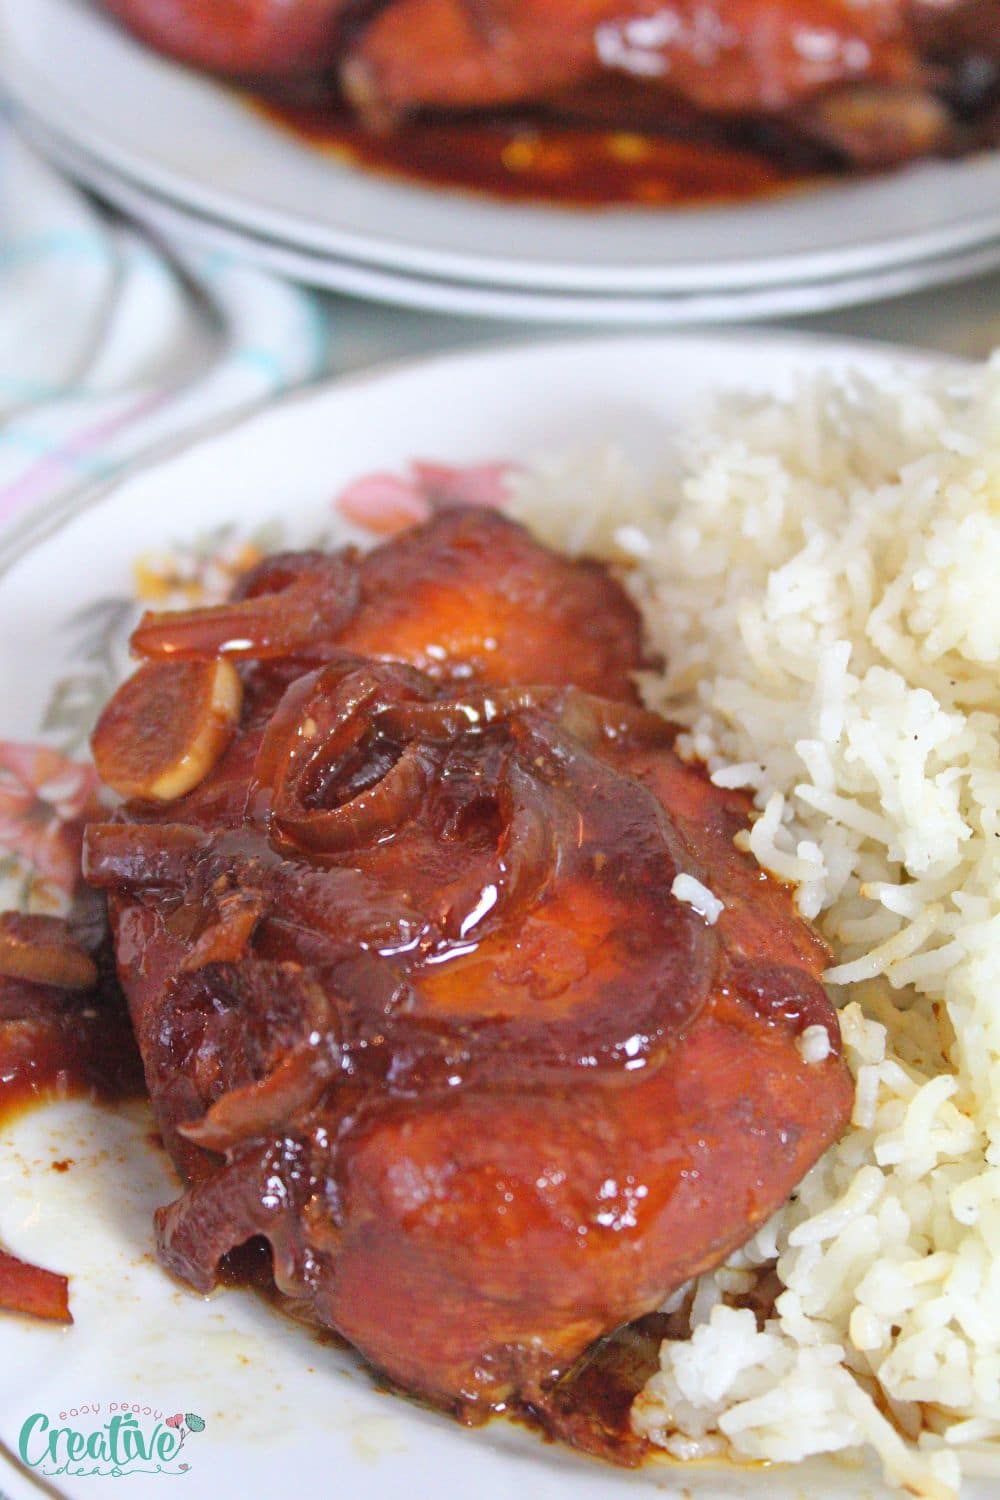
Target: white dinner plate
(184,228)
(282,1413)
(190,139)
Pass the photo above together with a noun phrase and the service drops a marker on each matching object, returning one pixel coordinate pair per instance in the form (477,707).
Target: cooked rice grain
(823,578)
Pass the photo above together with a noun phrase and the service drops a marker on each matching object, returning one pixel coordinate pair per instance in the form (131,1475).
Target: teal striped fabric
(109,348)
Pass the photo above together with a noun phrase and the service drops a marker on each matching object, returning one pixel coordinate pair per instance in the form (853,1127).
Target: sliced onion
(226,938)
(321,719)
(132,855)
(326,710)
(278,571)
(539,827)
(28,1289)
(264,1107)
(309,611)
(379,810)
(287,731)
(588,718)
(447,719)
(42,950)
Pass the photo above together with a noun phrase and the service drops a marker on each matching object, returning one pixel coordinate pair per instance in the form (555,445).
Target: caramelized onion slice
(28,1289)
(379,810)
(263,1107)
(167,727)
(133,855)
(42,951)
(590,719)
(317,716)
(541,832)
(579,955)
(331,779)
(277,571)
(308,611)
(325,711)
(448,718)
(225,939)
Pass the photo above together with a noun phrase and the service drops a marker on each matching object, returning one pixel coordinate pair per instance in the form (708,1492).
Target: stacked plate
(186,156)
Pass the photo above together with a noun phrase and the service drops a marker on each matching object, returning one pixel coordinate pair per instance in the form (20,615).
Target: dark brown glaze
(415,1000)
(540,158)
(57,1042)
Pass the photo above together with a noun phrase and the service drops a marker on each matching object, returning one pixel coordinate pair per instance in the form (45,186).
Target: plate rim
(464,299)
(502,304)
(26,532)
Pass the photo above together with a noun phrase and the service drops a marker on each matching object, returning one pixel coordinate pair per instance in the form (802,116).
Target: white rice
(704,902)
(823,578)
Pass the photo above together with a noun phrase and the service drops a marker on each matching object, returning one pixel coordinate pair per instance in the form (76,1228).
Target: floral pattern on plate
(45,800)
(385,503)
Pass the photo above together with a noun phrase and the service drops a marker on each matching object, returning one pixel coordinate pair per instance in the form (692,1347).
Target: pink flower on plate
(45,799)
(176,1420)
(386,503)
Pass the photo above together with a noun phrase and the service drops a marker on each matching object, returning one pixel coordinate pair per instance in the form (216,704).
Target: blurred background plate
(85,79)
(178,227)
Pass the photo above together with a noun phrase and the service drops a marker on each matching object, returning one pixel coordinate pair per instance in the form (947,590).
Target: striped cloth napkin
(109,349)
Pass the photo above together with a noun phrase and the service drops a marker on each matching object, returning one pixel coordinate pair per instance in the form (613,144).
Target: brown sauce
(57,1043)
(537,159)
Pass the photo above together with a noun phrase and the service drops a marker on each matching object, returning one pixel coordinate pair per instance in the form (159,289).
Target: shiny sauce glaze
(58,1039)
(567,163)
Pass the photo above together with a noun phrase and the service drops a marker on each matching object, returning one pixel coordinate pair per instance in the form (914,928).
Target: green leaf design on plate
(195,1423)
(98,637)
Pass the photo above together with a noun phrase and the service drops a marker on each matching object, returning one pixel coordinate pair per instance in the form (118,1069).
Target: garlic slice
(167,727)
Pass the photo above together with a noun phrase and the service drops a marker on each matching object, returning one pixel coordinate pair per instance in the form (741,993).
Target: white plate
(181,228)
(284,1414)
(187,138)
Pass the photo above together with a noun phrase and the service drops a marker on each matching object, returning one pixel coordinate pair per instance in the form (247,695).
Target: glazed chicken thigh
(469,598)
(425,972)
